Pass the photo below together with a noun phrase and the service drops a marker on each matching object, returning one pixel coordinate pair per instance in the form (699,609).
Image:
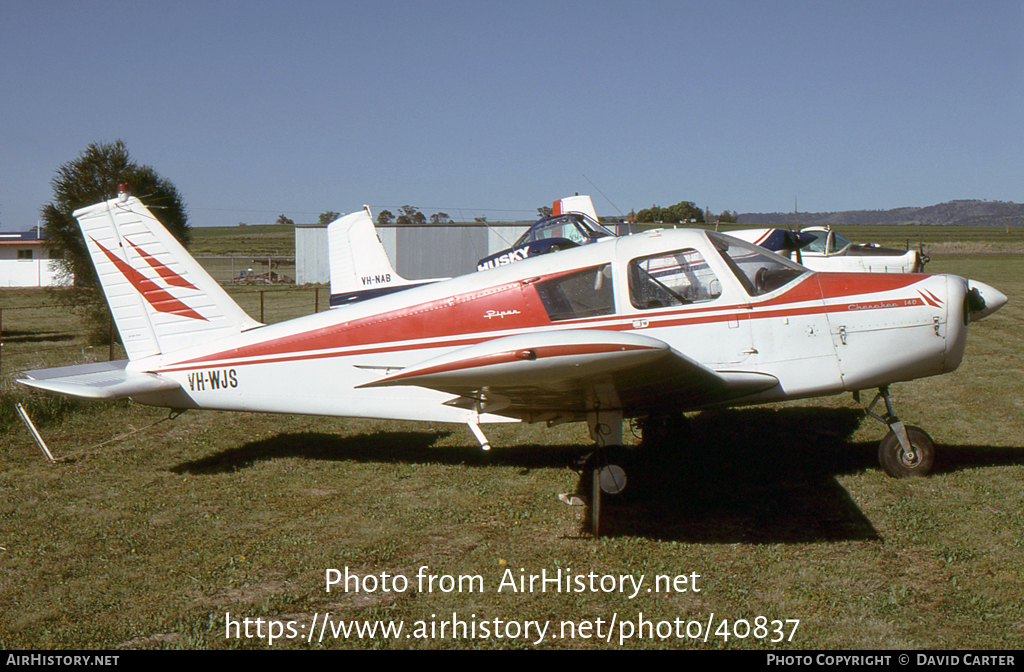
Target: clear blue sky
(255,109)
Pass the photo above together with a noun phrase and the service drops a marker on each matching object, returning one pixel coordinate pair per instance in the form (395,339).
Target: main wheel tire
(919,463)
(616,471)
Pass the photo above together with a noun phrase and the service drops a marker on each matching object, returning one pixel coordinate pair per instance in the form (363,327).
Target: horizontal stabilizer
(102,380)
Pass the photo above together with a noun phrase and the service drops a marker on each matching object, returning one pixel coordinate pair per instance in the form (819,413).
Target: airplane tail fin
(161,298)
(357,258)
(581,204)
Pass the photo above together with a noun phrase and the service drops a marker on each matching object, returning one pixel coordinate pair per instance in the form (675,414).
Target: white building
(25,261)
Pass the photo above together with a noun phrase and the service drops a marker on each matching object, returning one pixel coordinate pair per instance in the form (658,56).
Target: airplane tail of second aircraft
(357,258)
(161,299)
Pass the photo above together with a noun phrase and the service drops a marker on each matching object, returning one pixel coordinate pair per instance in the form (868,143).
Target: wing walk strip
(615,323)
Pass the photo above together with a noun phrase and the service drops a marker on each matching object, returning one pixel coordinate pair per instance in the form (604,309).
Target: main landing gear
(615,471)
(618,468)
(906,450)
(606,469)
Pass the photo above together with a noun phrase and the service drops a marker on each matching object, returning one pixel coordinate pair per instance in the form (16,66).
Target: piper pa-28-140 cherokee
(645,326)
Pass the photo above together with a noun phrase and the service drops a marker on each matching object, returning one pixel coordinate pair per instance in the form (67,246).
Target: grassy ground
(255,241)
(782,511)
(936,240)
(278,240)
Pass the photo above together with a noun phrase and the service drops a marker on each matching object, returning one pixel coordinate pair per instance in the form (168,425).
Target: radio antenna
(602,194)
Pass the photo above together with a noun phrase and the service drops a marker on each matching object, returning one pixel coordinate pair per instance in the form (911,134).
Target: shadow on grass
(379,447)
(16,336)
(751,476)
(766,476)
(949,459)
(737,476)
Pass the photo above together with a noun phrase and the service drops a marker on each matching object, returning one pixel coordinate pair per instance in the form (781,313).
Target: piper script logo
(156,296)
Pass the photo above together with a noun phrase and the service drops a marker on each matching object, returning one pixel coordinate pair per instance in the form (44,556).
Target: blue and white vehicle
(551,234)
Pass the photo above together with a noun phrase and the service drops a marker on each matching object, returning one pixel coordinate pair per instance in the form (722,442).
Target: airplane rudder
(162,299)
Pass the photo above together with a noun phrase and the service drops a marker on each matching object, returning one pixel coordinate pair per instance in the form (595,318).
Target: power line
(372,205)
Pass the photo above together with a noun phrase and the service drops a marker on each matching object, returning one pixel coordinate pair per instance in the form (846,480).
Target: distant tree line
(682,212)
(409,215)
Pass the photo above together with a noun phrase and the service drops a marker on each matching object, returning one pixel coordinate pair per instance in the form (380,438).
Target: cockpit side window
(759,271)
(671,279)
(584,293)
(839,243)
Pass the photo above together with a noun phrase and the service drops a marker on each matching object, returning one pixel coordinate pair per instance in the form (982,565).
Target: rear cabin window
(584,293)
(671,279)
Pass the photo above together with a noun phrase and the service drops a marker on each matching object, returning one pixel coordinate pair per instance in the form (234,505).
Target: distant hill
(961,213)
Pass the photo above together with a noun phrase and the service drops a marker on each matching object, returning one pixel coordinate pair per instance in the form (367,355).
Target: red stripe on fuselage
(460,320)
(836,285)
(449,316)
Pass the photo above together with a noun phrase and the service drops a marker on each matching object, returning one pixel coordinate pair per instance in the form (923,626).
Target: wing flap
(102,380)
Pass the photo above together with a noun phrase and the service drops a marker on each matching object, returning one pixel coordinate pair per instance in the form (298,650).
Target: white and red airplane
(646,326)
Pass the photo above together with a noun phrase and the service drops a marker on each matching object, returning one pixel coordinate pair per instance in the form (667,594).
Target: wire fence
(249,270)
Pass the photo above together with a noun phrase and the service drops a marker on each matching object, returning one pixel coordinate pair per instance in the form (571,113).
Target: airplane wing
(571,371)
(102,380)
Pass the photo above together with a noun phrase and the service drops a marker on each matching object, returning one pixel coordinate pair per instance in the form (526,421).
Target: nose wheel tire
(901,464)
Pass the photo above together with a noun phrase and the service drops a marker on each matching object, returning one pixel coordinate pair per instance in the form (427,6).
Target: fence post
(316,306)
(261,306)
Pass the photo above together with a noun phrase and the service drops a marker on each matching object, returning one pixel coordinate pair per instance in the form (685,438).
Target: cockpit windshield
(575,227)
(759,271)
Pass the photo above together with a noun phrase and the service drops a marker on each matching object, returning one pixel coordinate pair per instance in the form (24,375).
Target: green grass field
(279,240)
(153,540)
(260,240)
(936,240)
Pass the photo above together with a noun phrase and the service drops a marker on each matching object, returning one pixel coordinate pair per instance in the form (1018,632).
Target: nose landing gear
(906,450)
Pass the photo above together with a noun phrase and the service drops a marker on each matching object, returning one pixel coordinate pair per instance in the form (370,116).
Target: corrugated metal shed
(312,265)
(416,252)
